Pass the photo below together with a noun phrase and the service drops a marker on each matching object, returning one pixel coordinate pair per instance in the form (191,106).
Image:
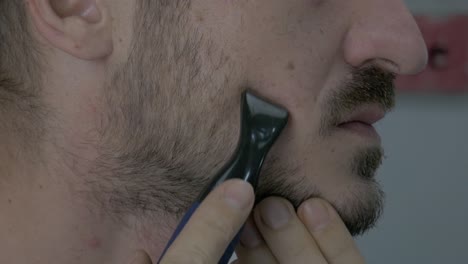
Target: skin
(315,235)
(73,202)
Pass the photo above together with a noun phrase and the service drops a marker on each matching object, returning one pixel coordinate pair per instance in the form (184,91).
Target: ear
(81,28)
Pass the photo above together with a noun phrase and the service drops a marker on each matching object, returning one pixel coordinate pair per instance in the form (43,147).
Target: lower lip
(362,129)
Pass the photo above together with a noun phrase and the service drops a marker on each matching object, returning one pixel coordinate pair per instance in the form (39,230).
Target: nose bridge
(383,32)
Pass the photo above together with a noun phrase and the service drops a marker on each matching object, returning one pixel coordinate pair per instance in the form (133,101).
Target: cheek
(295,77)
(288,87)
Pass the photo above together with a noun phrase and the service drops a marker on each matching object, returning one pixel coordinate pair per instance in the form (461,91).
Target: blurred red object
(447,43)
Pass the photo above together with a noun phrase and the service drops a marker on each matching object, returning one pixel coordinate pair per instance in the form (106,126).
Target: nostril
(438,57)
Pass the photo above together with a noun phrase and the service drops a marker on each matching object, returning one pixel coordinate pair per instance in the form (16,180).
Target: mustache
(370,85)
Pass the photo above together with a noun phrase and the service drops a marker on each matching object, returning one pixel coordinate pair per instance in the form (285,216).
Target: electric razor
(261,124)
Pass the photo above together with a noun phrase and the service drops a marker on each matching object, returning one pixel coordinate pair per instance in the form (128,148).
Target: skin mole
(291,66)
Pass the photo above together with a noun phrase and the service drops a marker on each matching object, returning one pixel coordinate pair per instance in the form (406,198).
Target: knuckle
(194,255)
(299,250)
(343,250)
(221,228)
(199,255)
(292,247)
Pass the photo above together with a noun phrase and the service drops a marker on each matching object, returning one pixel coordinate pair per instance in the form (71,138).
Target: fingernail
(274,213)
(250,237)
(238,194)
(316,214)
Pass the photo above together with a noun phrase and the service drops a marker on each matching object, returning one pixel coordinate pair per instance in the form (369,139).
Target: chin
(346,179)
(360,205)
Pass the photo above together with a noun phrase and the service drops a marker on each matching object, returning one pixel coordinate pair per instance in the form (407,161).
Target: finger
(213,225)
(284,233)
(331,234)
(252,247)
(259,254)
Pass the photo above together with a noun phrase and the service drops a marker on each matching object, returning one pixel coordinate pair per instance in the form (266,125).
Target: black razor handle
(261,124)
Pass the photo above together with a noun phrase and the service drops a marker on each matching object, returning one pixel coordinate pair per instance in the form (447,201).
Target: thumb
(213,225)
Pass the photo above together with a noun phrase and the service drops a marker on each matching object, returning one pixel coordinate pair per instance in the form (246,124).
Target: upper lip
(369,115)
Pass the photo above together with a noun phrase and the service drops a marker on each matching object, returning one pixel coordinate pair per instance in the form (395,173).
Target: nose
(384,33)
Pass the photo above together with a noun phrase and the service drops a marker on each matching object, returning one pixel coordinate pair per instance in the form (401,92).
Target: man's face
(168,114)
(330,63)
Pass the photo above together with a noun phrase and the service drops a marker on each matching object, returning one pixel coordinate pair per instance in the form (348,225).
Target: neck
(60,206)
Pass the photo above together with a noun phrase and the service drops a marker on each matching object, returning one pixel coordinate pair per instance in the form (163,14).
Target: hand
(315,235)
(213,225)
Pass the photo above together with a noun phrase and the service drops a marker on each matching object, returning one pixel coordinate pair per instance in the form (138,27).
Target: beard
(170,115)
(362,205)
(172,121)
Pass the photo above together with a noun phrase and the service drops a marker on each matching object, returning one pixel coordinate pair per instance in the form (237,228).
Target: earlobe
(81,28)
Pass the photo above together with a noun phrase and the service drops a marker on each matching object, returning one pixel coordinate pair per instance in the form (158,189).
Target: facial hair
(361,211)
(170,122)
(168,118)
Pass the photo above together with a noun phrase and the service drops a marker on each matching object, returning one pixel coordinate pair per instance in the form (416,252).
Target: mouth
(362,121)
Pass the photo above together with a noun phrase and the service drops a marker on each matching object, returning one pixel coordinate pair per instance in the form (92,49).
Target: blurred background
(425,174)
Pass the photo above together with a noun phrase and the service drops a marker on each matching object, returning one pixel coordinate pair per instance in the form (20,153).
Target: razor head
(259,106)
(262,116)
(261,124)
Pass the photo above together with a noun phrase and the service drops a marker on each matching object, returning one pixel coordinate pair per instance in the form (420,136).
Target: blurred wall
(425,177)
(438,7)
(425,174)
